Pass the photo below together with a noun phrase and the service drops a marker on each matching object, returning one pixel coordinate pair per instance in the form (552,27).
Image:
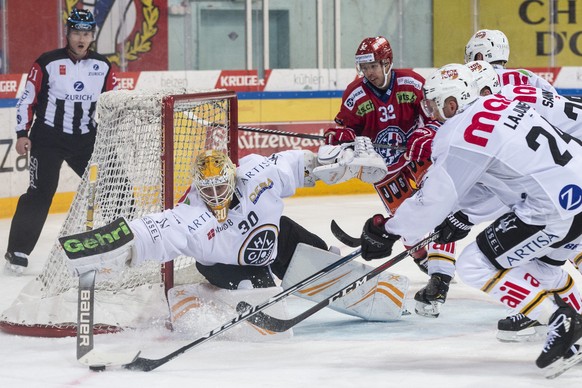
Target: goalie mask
(485,76)
(453,80)
(375,49)
(214,177)
(491,44)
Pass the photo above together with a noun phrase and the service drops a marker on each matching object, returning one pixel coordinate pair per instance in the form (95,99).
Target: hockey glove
(419,145)
(376,241)
(106,249)
(455,227)
(335,136)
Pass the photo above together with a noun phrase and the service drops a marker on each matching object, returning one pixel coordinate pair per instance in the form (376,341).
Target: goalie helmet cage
(144,151)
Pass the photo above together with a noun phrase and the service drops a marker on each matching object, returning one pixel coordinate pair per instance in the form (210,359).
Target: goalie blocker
(106,250)
(380,300)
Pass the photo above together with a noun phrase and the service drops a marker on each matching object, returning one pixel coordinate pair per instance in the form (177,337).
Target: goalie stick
(343,237)
(279,325)
(147,364)
(86,303)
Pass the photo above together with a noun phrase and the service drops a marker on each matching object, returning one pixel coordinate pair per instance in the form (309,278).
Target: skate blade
(531,334)
(431,310)
(13,270)
(562,365)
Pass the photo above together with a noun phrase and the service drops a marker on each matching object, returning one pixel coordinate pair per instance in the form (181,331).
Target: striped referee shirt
(63,93)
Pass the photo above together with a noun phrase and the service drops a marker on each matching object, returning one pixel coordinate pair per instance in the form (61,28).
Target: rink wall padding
(300,100)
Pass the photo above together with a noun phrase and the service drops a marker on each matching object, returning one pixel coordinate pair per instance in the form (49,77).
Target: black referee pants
(49,149)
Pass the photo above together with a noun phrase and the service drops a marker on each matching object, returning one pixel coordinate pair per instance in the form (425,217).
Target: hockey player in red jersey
(384,105)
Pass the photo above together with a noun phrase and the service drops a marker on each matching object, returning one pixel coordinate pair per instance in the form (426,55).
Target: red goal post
(145,146)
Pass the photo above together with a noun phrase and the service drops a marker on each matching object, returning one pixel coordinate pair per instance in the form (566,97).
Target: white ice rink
(458,349)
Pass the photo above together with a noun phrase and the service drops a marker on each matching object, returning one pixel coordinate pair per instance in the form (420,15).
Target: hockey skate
(16,262)
(560,353)
(430,298)
(519,328)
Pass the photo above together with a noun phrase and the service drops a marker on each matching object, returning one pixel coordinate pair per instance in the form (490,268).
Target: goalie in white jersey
(231,222)
(506,148)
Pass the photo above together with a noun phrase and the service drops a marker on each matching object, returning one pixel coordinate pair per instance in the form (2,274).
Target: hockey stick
(146,364)
(309,136)
(207,123)
(343,237)
(279,325)
(86,303)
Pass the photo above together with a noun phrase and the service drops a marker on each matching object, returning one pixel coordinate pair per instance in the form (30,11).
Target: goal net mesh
(144,152)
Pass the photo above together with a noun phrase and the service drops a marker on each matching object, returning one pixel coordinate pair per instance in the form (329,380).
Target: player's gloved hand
(376,241)
(455,227)
(419,144)
(335,136)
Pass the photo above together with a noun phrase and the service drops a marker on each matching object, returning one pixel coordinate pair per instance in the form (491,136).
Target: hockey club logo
(394,136)
(506,223)
(571,197)
(78,86)
(259,246)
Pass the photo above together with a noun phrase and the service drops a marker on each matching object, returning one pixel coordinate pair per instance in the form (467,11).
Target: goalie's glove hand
(376,241)
(455,227)
(336,136)
(419,144)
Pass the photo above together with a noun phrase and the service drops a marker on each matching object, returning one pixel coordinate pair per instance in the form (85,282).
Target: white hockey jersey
(511,152)
(562,111)
(247,237)
(522,77)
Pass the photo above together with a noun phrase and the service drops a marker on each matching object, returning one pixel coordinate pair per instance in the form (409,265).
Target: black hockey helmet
(81,20)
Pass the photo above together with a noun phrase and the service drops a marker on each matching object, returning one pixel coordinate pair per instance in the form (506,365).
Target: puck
(97,368)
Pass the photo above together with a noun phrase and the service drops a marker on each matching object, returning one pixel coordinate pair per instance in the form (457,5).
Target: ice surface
(329,349)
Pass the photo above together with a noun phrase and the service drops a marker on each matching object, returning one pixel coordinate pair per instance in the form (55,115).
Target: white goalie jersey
(249,234)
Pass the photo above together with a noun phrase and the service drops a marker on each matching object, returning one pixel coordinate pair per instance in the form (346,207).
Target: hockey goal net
(144,153)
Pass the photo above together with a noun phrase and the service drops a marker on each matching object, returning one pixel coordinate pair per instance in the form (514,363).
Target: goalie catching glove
(455,227)
(106,250)
(340,163)
(376,241)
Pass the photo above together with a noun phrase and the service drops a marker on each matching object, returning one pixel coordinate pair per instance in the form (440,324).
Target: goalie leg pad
(380,299)
(196,309)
